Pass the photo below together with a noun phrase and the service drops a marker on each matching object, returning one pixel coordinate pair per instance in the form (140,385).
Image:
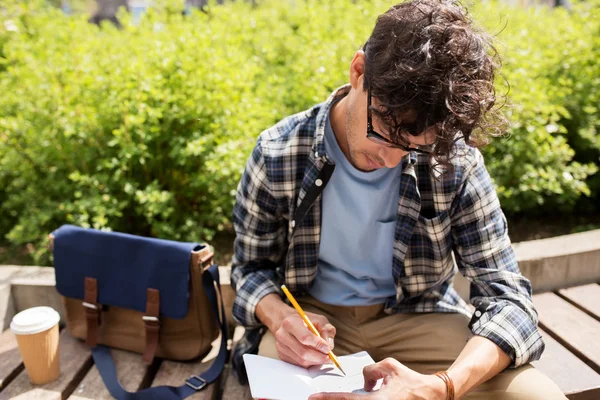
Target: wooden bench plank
(174,373)
(11,363)
(132,372)
(586,297)
(573,328)
(573,376)
(75,361)
(232,389)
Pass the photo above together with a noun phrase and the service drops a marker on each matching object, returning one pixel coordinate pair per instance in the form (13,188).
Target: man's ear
(357,70)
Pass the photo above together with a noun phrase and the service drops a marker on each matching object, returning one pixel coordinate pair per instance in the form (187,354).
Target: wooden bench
(570,323)
(80,379)
(569,319)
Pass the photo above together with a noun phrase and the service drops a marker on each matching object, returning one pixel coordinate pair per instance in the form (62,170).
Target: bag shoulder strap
(106,365)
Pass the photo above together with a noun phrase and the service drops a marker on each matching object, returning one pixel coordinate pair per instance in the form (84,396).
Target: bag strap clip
(192,385)
(89,305)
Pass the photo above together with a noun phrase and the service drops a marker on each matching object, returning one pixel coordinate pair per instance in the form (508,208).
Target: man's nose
(391,156)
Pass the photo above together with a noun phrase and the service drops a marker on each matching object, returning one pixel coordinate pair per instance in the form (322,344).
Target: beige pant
(423,342)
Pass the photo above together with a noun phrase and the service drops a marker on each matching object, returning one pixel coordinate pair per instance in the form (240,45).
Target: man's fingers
(287,355)
(299,345)
(305,360)
(325,328)
(374,372)
(389,366)
(296,328)
(328,333)
(303,355)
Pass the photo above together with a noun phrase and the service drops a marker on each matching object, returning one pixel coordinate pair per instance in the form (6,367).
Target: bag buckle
(196,387)
(90,305)
(149,318)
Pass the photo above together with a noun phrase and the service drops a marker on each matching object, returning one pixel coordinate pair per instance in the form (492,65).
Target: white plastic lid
(34,320)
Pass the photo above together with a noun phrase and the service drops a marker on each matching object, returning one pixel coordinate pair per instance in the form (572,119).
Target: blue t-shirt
(357,232)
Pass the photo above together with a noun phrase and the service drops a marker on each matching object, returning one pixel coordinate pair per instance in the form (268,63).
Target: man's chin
(359,166)
(371,165)
(364,168)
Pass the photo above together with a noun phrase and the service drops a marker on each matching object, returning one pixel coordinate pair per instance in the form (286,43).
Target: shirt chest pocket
(431,243)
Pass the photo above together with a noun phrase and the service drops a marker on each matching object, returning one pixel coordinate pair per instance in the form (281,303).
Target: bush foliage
(147,129)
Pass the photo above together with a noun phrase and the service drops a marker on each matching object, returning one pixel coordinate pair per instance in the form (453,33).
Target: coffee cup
(36,331)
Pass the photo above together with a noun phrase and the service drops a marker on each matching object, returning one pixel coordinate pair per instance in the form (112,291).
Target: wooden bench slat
(232,389)
(572,375)
(11,363)
(75,361)
(587,297)
(132,372)
(573,328)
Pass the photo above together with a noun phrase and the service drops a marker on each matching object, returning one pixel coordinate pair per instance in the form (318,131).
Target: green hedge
(552,63)
(147,129)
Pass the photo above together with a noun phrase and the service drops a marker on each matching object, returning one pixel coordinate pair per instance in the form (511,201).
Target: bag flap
(125,266)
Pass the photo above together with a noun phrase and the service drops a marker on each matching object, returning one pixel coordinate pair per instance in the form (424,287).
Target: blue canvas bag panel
(130,263)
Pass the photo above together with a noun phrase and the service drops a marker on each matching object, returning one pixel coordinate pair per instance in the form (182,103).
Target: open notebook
(278,380)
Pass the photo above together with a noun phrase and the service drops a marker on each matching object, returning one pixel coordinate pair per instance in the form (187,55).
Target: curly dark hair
(425,57)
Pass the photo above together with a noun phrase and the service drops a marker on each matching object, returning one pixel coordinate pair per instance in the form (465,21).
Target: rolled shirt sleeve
(504,310)
(260,240)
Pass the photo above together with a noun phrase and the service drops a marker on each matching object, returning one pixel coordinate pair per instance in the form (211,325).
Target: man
(358,206)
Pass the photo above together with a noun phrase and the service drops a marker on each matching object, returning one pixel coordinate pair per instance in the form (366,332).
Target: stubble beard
(351,142)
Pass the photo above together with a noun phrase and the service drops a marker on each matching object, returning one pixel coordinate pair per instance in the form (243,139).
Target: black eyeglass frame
(379,139)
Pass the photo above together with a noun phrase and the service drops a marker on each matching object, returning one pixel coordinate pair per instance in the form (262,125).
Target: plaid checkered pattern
(457,214)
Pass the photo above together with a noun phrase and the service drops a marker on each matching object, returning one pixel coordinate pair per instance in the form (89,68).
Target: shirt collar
(319,145)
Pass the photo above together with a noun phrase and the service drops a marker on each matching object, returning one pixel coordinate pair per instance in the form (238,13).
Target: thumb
(325,328)
(374,372)
(328,333)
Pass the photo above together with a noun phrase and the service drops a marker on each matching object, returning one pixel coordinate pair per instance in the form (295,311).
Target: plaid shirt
(456,214)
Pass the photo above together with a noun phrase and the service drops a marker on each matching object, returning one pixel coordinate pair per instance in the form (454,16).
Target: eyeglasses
(382,140)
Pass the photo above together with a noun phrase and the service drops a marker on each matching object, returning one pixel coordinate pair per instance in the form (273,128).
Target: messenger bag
(156,297)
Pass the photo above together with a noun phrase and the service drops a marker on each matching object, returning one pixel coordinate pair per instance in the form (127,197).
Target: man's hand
(295,343)
(399,383)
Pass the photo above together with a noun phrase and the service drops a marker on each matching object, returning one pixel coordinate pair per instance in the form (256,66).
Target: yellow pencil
(309,324)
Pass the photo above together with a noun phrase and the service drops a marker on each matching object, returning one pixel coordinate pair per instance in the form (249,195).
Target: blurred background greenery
(146,129)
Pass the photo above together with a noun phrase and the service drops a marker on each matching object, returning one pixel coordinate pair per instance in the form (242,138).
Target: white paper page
(328,378)
(277,380)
